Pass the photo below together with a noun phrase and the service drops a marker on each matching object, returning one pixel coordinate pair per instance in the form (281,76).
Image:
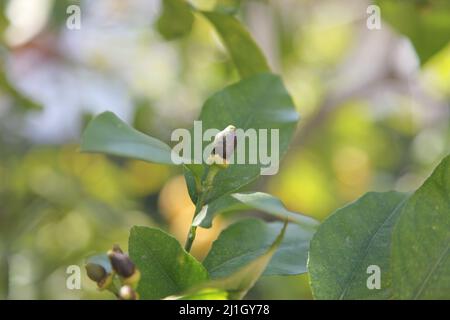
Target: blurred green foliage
(58,206)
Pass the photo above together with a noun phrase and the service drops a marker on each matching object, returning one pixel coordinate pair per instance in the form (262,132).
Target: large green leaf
(258,102)
(348,242)
(244,51)
(238,283)
(251,201)
(166,268)
(421,240)
(249,239)
(106,133)
(176,19)
(425,22)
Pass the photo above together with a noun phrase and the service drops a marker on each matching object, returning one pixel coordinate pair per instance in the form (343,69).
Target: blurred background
(372,119)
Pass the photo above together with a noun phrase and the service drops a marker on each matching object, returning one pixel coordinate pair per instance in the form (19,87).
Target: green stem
(206,187)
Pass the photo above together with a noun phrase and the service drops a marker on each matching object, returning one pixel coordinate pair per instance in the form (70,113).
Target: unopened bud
(116,248)
(121,264)
(223,146)
(127,293)
(97,273)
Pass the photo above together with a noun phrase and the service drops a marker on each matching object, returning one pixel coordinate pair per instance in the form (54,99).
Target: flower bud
(127,293)
(97,273)
(121,264)
(223,146)
(116,248)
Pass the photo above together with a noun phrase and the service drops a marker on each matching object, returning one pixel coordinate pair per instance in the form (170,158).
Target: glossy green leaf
(176,19)
(106,133)
(244,51)
(252,201)
(238,283)
(425,22)
(166,268)
(258,102)
(348,242)
(421,241)
(248,239)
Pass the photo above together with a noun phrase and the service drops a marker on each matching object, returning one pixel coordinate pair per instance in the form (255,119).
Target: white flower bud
(224,144)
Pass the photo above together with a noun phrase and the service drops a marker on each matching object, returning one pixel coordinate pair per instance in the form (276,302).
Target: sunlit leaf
(203,294)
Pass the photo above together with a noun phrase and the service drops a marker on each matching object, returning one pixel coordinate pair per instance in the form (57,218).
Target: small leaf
(237,284)
(166,268)
(246,55)
(106,133)
(426,23)
(248,239)
(176,19)
(421,240)
(348,242)
(252,201)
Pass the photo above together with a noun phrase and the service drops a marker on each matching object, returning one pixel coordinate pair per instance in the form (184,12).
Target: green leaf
(421,240)
(251,201)
(106,133)
(244,51)
(238,283)
(193,174)
(227,6)
(425,22)
(348,242)
(176,19)
(221,205)
(258,102)
(249,239)
(166,268)
(203,294)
